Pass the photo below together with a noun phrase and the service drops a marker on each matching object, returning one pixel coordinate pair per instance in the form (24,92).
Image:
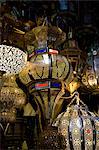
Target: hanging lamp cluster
(46,74)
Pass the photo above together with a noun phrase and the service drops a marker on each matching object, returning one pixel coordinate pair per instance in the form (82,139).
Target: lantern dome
(12,59)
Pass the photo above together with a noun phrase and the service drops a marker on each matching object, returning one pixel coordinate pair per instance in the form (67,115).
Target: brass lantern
(47,69)
(90,76)
(11,97)
(12,61)
(76,57)
(78,128)
(43,76)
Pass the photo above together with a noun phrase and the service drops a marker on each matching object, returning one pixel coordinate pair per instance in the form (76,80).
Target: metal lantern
(90,77)
(47,69)
(12,59)
(78,128)
(11,97)
(74,55)
(43,76)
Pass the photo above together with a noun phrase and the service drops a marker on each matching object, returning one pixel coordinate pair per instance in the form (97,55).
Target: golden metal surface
(11,97)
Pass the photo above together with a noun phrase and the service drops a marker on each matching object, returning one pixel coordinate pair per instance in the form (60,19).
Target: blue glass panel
(39,51)
(55,84)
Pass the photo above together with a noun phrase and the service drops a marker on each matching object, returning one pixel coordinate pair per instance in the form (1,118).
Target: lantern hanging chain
(76,97)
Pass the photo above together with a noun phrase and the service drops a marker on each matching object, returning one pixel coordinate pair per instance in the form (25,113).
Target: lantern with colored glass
(77,127)
(12,60)
(43,76)
(46,69)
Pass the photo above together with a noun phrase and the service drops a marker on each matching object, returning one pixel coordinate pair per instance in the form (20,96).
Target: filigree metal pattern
(77,128)
(12,59)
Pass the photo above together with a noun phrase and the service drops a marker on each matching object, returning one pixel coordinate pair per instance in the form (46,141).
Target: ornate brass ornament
(11,97)
(76,56)
(50,35)
(90,76)
(12,61)
(43,76)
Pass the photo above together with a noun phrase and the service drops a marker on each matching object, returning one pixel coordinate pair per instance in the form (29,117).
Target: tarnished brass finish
(11,97)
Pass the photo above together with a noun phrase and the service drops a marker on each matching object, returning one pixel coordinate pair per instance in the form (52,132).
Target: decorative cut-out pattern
(77,125)
(12,59)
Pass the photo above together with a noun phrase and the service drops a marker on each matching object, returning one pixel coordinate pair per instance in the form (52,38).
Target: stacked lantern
(11,97)
(12,60)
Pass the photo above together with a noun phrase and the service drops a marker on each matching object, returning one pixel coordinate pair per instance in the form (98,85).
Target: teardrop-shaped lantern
(43,76)
(47,69)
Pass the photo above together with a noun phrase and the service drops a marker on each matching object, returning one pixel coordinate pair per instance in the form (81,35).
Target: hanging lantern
(78,128)
(47,69)
(12,59)
(11,97)
(76,57)
(43,76)
(90,77)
